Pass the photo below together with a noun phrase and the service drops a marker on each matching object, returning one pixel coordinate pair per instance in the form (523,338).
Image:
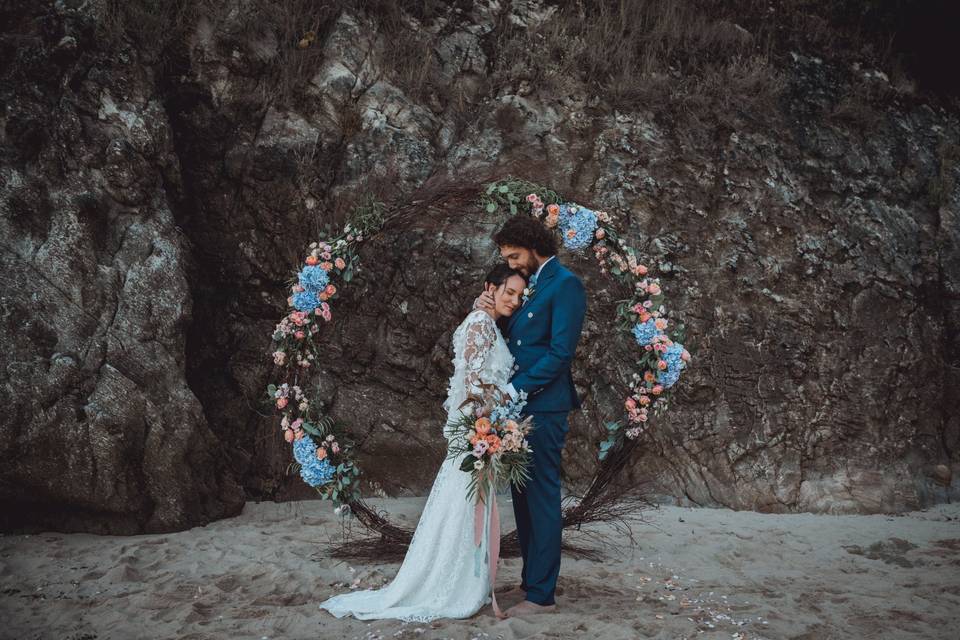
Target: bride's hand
(484,301)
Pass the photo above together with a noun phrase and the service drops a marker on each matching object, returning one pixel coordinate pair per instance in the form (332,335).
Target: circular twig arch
(322,448)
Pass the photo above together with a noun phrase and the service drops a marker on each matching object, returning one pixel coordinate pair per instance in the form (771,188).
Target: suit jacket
(542,336)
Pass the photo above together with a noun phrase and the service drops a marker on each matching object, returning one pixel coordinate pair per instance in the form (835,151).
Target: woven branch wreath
(322,449)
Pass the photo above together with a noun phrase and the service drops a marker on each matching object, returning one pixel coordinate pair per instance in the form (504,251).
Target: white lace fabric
(438,577)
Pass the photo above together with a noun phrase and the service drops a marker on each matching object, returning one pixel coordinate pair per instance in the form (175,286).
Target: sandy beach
(705,573)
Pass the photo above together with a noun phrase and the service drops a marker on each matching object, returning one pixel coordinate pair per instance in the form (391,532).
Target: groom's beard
(531,267)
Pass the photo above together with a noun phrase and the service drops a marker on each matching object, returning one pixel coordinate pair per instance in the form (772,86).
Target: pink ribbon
(494,542)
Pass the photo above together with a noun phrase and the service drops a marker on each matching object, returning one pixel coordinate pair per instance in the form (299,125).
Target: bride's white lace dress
(439,577)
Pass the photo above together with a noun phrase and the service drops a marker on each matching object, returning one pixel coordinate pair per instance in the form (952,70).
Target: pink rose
(299,335)
(653,289)
(532,197)
(661,364)
(657,389)
(631,404)
(281,403)
(642,417)
(339,263)
(601,234)
(685,356)
(642,270)
(288,435)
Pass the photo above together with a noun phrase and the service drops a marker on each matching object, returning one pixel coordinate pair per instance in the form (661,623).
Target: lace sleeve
(480,338)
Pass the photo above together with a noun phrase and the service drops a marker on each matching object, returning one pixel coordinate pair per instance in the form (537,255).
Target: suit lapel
(549,270)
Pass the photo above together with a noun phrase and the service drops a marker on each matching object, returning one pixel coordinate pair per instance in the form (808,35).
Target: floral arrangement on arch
(322,449)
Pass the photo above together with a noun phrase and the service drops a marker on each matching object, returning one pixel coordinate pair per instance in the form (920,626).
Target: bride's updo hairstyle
(500,273)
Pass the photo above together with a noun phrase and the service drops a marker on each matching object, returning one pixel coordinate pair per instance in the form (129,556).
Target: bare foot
(527,608)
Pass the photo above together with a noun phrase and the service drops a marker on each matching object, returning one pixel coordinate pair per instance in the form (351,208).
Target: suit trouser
(537,508)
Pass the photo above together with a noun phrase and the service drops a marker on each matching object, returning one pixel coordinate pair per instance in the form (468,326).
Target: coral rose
(312,260)
(483,426)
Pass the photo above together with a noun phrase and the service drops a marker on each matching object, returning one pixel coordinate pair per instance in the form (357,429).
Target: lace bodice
(482,362)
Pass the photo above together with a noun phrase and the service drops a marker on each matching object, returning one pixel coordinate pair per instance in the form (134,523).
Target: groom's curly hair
(524,231)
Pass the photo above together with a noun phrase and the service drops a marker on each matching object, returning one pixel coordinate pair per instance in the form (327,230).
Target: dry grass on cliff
(695,59)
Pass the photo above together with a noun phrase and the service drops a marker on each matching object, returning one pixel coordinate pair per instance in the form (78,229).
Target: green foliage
(510,195)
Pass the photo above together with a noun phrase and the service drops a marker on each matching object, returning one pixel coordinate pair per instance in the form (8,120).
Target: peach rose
(288,435)
(553,209)
(281,403)
(321,453)
(662,365)
(649,377)
(601,234)
(660,323)
(644,400)
(330,290)
(552,221)
(642,270)
(312,260)
(340,263)
(483,426)
(326,266)
(653,289)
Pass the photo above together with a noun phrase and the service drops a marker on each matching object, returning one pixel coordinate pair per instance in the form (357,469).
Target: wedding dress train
(443,575)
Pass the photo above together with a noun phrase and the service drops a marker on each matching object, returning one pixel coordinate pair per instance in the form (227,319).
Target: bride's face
(507,296)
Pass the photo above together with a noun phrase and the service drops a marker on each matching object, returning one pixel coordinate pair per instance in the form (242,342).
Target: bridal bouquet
(495,444)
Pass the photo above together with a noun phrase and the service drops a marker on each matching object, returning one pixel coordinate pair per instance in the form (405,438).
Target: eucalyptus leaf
(491,207)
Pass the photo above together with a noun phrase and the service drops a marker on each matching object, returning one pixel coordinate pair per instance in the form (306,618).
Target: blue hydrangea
(644,332)
(674,365)
(317,472)
(583,222)
(314,278)
(512,410)
(314,472)
(305,301)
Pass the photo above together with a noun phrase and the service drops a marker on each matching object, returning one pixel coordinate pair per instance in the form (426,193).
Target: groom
(542,335)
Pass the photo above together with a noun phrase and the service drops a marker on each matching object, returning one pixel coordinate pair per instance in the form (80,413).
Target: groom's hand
(484,301)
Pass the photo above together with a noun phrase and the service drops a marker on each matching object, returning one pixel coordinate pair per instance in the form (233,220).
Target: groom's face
(520,258)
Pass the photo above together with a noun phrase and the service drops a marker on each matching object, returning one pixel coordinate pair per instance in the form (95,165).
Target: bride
(439,577)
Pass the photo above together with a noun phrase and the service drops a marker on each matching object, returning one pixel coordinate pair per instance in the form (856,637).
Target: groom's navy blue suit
(542,336)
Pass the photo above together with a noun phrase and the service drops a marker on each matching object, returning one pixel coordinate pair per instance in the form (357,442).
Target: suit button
(530,315)
(518,342)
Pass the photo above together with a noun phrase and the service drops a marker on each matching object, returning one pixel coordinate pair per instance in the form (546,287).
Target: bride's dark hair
(500,273)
